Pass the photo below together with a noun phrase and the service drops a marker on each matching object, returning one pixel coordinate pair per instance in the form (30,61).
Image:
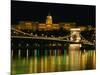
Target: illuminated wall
(48,25)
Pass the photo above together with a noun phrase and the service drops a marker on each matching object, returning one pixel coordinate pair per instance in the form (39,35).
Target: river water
(72,59)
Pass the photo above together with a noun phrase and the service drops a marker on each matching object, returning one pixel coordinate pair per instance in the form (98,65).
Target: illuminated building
(26,25)
(41,26)
(48,25)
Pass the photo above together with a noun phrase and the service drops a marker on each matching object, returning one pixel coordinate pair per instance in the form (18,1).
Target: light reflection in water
(42,64)
(74,55)
(19,53)
(52,62)
(83,60)
(31,66)
(46,62)
(72,59)
(35,64)
(27,53)
(94,59)
(11,52)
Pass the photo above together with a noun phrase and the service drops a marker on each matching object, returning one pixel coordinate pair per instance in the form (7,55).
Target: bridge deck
(51,39)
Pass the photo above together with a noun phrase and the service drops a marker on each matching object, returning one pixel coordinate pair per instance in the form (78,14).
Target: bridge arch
(75,34)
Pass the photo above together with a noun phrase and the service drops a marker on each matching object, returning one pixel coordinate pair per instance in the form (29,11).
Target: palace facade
(48,25)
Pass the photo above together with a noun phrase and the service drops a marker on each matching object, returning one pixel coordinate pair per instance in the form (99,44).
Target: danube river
(54,60)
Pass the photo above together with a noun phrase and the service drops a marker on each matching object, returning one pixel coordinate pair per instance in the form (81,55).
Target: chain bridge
(73,37)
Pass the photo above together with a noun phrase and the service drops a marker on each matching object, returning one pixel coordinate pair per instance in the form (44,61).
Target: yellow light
(75,29)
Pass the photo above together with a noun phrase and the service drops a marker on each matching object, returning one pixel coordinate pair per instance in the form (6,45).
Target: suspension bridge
(23,35)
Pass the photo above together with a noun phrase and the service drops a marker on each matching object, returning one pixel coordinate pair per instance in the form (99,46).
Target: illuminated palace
(48,25)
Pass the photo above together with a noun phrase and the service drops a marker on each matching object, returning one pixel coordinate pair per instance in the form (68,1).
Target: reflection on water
(72,59)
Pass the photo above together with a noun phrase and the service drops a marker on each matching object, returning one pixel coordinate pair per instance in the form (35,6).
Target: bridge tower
(75,34)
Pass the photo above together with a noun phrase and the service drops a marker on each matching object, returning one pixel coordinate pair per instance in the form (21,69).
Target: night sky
(37,11)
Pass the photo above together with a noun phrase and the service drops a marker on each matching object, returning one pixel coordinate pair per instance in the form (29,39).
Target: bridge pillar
(75,34)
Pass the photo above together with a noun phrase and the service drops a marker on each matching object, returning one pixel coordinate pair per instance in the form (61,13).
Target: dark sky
(37,11)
